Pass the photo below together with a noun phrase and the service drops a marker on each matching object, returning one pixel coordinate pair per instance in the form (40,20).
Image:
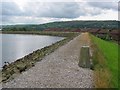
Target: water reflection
(15,46)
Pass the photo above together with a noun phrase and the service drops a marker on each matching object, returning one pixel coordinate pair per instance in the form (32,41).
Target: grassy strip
(50,33)
(25,63)
(105,59)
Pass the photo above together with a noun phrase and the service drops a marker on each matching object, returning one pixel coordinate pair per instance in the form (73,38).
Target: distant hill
(64,25)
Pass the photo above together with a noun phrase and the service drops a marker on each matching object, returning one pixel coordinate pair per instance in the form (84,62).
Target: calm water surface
(15,46)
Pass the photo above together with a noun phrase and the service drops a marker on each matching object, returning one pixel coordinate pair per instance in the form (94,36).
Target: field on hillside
(106,62)
(70,25)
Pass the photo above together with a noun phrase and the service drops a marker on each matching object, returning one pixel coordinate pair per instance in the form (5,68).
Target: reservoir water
(15,46)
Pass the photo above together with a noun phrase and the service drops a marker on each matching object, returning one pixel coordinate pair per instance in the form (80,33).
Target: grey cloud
(51,10)
(33,11)
(59,9)
(54,10)
(10,9)
(104,5)
(11,12)
(62,10)
(7,19)
(28,20)
(119,6)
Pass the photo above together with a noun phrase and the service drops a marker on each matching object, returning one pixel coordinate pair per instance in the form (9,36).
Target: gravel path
(58,70)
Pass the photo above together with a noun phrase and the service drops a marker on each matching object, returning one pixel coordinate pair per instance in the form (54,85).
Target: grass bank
(105,59)
(12,70)
(50,33)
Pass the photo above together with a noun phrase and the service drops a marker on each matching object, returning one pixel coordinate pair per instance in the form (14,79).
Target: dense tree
(66,25)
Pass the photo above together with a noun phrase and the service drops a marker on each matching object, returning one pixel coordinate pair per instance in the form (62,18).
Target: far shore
(50,33)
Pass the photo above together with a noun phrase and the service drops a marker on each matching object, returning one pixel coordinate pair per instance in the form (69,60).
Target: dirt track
(58,70)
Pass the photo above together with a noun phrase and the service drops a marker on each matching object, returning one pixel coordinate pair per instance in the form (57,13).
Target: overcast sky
(38,12)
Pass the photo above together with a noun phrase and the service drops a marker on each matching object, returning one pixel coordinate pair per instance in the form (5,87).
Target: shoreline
(20,65)
(57,70)
(48,33)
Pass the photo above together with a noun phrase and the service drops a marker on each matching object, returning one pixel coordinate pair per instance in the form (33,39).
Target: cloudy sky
(38,12)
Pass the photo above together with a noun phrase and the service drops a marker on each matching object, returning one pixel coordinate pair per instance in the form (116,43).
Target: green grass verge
(50,33)
(109,50)
(12,70)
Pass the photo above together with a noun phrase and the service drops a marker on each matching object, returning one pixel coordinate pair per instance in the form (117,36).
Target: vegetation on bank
(105,59)
(50,33)
(23,64)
